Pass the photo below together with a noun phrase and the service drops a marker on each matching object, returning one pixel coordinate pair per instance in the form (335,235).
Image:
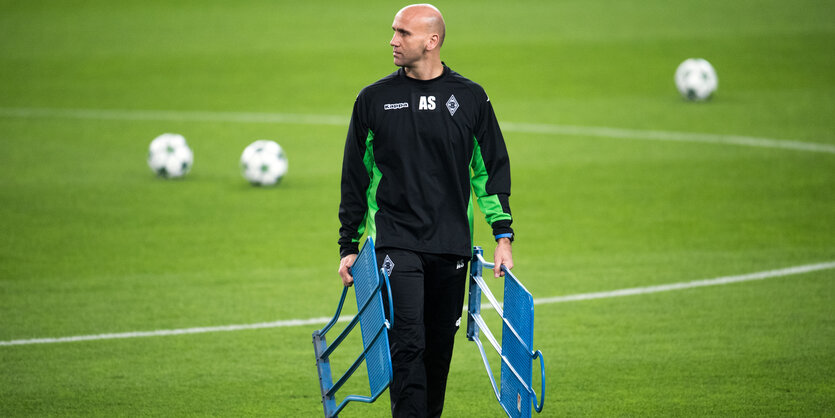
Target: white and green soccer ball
(696,79)
(169,156)
(263,163)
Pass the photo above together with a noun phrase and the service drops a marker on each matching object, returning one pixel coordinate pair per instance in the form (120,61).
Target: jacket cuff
(345,250)
(501,228)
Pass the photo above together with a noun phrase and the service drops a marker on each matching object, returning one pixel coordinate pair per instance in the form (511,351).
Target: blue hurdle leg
(323,366)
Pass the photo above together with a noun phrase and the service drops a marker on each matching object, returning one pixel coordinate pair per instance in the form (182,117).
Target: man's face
(409,40)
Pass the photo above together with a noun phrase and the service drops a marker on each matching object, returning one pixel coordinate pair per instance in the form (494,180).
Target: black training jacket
(416,152)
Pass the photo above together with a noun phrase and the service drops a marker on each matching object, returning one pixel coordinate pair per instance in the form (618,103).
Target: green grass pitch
(91,242)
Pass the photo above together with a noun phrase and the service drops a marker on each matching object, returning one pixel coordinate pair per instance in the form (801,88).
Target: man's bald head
(429,15)
(416,44)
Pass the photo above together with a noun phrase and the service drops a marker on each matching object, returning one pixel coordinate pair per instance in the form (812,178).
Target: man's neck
(426,70)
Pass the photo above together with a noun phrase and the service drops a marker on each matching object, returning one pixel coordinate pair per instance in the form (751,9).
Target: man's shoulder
(380,84)
(476,89)
(457,77)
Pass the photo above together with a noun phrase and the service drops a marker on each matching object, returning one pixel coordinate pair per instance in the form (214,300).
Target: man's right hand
(345,269)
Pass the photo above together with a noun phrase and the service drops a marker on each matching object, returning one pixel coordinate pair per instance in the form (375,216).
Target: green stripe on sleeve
(374,173)
(489,204)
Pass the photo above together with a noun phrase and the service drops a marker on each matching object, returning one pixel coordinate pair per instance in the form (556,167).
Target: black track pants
(428,295)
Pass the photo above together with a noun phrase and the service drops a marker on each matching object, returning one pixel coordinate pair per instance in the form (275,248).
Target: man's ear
(432,42)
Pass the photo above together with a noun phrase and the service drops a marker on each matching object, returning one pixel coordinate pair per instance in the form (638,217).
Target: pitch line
(689,285)
(669,136)
(174,115)
(183,331)
(309,119)
(558,299)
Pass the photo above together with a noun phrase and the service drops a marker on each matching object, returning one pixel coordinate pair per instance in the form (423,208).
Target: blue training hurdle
(368,285)
(516,351)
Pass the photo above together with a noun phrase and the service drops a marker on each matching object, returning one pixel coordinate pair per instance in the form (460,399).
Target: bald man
(421,142)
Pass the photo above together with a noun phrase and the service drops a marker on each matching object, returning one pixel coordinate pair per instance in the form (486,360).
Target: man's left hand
(502,256)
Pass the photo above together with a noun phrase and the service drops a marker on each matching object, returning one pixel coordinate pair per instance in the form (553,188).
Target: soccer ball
(169,156)
(263,163)
(696,79)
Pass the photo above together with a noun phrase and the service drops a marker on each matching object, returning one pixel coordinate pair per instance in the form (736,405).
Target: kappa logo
(452,105)
(395,106)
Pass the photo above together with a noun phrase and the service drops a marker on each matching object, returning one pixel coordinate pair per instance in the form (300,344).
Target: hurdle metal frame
(368,284)
(516,351)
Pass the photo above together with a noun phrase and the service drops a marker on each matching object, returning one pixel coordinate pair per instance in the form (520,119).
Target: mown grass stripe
(308,119)
(790,271)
